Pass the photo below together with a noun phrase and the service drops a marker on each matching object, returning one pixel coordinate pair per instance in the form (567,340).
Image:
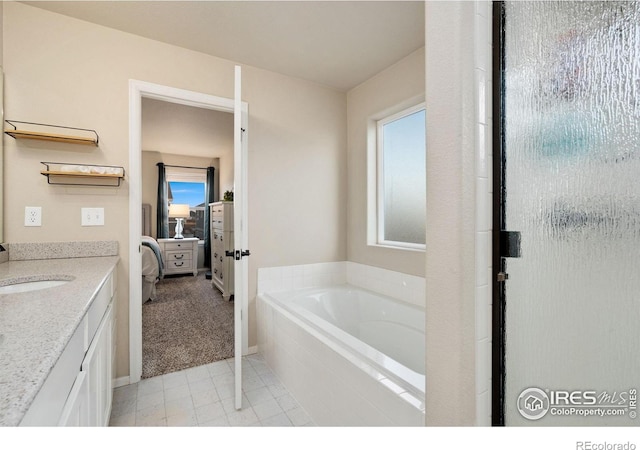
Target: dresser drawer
(181,264)
(217,268)
(217,222)
(179,256)
(178,245)
(218,274)
(218,238)
(221,216)
(217,253)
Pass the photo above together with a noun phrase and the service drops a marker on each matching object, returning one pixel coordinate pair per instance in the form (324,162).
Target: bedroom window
(397,188)
(193,194)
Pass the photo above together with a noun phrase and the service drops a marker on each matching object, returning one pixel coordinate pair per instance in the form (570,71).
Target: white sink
(26,286)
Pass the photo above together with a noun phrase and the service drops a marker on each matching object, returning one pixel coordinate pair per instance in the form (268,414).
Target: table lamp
(179,212)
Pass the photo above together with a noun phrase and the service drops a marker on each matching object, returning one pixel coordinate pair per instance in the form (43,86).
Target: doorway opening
(137,91)
(187,161)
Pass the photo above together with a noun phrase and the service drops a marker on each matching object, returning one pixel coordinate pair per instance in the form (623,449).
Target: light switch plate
(92,217)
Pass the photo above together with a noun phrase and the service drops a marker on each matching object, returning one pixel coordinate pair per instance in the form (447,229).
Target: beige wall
(64,71)
(395,85)
(1,32)
(185,130)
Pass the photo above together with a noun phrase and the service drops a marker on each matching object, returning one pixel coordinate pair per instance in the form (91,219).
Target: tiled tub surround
(338,379)
(400,286)
(36,326)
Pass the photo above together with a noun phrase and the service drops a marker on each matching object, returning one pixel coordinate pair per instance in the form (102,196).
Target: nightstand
(179,255)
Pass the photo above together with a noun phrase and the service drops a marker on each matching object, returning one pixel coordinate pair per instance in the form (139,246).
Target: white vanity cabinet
(89,403)
(78,391)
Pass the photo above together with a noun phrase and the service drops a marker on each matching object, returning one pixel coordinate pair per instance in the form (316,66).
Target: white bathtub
(349,356)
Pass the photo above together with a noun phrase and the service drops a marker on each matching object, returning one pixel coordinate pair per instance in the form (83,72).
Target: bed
(152,267)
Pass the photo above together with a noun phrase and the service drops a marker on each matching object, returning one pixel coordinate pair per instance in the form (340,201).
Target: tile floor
(203,396)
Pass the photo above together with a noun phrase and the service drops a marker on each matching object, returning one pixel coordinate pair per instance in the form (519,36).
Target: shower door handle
(510,244)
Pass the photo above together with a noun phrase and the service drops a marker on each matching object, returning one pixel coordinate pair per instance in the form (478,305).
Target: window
(400,219)
(188,188)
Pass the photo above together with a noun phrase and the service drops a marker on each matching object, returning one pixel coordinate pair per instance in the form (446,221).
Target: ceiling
(186,130)
(335,43)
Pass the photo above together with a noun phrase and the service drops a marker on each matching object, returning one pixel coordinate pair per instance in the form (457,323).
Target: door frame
(497,262)
(137,90)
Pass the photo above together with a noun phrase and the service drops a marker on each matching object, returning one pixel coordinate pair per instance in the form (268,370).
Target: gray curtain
(163,204)
(208,198)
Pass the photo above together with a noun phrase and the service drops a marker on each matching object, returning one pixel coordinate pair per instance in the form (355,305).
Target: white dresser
(221,223)
(179,255)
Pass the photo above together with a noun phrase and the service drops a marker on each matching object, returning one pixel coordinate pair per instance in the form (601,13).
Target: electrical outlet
(92,217)
(32,216)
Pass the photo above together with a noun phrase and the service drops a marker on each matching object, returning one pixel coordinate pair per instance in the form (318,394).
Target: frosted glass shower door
(571,124)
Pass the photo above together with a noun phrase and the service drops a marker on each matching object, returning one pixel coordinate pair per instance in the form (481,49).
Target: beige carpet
(188,325)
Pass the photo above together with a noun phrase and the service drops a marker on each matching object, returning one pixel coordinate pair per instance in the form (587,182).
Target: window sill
(416,248)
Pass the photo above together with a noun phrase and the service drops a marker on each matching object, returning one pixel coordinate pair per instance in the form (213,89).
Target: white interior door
(240,232)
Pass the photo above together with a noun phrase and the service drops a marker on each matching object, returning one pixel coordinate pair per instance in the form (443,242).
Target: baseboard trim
(252,350)
(122,381)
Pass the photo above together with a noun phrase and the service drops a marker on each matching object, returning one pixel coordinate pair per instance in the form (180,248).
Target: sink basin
(25,286)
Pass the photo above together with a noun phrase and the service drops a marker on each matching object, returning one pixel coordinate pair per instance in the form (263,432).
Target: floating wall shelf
(82,174)
(43,132)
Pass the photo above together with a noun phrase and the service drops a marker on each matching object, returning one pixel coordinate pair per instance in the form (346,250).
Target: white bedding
(151,271)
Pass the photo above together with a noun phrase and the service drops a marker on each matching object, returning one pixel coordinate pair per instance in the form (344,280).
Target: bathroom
(301,133)
(282,185)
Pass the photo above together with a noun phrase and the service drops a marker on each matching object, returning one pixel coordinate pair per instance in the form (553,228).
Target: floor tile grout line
(265,371)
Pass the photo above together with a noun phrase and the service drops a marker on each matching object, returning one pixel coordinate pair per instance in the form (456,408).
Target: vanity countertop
(36,326)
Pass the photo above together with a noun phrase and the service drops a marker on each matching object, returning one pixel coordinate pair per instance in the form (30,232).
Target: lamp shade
(179,210)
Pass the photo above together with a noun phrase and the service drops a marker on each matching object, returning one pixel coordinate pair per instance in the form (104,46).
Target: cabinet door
(76,410)
(97,365)
(106,380)
(114,327)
